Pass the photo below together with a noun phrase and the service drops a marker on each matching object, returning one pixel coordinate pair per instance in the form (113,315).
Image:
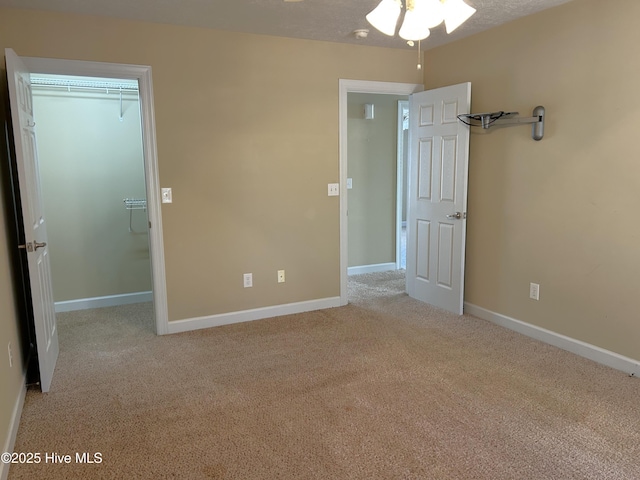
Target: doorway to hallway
(347,87)
(376,181)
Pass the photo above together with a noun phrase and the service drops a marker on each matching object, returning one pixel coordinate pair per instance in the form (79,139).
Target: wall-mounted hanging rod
(490,119)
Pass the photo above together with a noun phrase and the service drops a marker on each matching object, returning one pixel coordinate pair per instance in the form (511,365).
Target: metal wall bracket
(490,119)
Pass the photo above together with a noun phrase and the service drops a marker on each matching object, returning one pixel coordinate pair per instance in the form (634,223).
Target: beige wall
(561,212)
(89,162)
(247,133)
(11,378)
(372,152)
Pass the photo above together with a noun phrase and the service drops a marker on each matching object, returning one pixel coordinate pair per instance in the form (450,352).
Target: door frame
(401,170)
(142,74)
(346,87)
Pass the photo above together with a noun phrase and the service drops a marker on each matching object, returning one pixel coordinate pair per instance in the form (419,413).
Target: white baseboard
(375,268)
(586,350)
(10,441)
(197,323)
(107,301)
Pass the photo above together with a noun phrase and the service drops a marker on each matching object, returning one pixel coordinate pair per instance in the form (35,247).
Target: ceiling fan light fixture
(421,15)
(385,16)
(456,12)
(413,28)
(430,12)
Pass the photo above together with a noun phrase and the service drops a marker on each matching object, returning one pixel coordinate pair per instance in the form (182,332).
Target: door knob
(456,215)
(32,246)
(27,246)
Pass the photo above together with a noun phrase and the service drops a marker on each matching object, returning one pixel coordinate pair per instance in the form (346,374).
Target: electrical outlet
(280,276)
(248,280)
(534,291)
(10,355)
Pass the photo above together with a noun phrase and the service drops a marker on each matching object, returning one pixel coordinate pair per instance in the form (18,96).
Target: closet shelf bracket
(121,118)
(132,204)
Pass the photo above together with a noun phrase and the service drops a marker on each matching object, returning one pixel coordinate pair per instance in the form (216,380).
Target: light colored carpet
(384,388)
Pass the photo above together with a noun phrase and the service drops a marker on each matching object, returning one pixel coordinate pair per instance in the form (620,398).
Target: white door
(436,217)
(21,103)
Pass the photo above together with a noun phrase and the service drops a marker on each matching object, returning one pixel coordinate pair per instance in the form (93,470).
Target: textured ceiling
(328,20)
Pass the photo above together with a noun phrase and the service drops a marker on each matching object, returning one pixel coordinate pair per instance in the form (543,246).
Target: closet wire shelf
(132,204)
(135,204)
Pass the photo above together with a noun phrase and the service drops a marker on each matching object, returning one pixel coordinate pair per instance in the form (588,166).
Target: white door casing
(436,217)
(21,104)
(345,87)
(18,69)
(401,172)
(142,74)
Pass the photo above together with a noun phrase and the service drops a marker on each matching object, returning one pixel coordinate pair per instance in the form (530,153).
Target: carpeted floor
(384,388)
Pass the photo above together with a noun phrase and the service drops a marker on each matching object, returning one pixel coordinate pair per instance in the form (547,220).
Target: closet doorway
(91,163)
(39,305)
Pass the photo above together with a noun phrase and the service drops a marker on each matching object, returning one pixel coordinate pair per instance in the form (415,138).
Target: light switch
(349,183)
(167,197)
(334,189)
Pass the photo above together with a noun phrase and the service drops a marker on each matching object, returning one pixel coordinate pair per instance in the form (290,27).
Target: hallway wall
(372,164)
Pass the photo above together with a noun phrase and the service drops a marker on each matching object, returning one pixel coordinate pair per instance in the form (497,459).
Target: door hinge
(149,223)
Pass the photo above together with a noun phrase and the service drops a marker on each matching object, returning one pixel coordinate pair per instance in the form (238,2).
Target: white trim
(586,350)
(10,441)
(345,87)
(142,74)
(401,195)
(197,323)
(106,301)
(373,268)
